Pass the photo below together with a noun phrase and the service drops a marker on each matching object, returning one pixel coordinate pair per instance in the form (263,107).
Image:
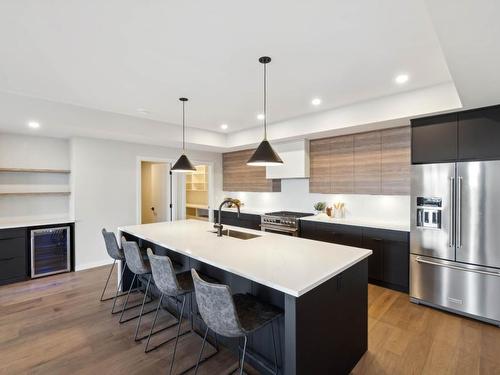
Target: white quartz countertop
(288,264)
(370,223)
(19,222)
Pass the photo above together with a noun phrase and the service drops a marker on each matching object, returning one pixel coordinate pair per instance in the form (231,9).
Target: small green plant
(320,206)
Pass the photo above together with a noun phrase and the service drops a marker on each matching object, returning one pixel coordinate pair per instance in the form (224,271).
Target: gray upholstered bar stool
(232,316)
(116,253)
(174,286)
(139,267)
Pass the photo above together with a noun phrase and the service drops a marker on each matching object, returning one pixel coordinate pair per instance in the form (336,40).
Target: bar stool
(174,286)
(114,252)
(139,267)
(232,316)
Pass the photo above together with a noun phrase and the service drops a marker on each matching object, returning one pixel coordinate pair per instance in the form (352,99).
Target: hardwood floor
(56,325)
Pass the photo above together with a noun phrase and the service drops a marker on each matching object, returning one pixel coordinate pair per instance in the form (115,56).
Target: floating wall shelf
(35,170)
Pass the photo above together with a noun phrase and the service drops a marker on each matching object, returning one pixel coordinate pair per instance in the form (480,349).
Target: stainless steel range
(284,222)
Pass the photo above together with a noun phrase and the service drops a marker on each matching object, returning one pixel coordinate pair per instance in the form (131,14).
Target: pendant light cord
(265,101)
(183,129)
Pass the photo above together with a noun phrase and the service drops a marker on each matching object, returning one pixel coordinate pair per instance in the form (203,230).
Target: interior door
(478,213)
(435,183)
(160,191)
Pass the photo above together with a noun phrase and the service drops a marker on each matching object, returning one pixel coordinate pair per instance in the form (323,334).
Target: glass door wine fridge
(50,251)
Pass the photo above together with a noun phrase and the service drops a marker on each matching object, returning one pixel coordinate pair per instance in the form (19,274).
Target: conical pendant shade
(264,155)
(183,165)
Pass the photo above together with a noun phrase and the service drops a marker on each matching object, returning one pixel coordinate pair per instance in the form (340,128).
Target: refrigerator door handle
(459,213)
(455,267)
(452,213)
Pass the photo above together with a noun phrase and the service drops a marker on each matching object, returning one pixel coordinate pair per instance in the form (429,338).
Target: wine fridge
(50,251)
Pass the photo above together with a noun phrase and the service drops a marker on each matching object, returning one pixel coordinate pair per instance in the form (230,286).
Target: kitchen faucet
(218,224)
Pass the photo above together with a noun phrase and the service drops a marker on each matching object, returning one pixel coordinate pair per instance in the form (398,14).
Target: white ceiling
(121,55)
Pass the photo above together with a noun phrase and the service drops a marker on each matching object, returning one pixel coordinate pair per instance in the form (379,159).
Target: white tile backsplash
(295,196)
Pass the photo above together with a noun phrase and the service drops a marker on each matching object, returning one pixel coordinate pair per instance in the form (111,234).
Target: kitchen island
(321,287)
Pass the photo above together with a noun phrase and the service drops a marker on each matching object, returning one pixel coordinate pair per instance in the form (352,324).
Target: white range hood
(295,157)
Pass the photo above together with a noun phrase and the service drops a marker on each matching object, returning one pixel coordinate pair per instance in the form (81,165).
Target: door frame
(138,180)
(176,178)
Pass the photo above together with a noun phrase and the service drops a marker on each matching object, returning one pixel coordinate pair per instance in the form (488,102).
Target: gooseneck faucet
(218,224)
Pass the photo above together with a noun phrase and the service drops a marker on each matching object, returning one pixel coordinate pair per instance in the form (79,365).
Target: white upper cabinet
(295,157)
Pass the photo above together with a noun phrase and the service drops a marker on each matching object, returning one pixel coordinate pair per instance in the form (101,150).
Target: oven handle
(475,270)
(277,228)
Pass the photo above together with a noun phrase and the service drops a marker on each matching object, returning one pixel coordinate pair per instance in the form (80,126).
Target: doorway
(156,192)
(197,197)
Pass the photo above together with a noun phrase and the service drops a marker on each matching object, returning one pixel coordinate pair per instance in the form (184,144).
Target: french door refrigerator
(455,238)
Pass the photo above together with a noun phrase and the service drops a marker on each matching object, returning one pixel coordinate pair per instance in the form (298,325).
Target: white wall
(295,196)
(105,189)
(20,151)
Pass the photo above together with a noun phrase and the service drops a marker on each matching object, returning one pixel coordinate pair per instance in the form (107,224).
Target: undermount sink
(238,234)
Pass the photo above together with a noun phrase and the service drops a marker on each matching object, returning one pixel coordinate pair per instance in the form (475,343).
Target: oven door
(279,229)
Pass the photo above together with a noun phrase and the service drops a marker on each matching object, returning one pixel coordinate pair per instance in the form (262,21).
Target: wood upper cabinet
(367,163)
(376,162)
(238,176)
(320,180)
(395,160)
(342,164)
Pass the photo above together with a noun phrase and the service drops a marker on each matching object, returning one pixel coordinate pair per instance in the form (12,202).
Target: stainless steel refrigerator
(455,238)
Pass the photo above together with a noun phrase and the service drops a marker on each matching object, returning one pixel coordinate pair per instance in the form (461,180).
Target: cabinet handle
(6,259)
(454,267)
(451,232)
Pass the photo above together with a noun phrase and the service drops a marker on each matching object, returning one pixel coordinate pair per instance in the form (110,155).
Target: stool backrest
(112,247)
(134,258)
(216,306)
(164,274)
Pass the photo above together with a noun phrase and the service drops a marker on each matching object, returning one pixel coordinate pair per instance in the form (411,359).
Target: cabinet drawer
(12,233)
(12,248)
(12,268)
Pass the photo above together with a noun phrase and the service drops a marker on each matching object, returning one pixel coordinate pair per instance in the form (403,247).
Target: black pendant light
(183,164)
(264,155)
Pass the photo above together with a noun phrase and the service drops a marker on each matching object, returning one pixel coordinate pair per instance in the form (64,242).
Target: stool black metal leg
(128,295)
(118,290)
(178,331)
(243,356)
(142,308)
(107,282)
(201,351)
(153,325)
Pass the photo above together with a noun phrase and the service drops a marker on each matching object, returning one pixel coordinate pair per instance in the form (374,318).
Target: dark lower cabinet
(13,262)
(388,265)
(245,220)
(334,233)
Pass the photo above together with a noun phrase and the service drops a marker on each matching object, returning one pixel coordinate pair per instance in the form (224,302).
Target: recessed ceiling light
(223,126)
(34,124)
(260,116)
(316,101)
(143,111)
(402,78)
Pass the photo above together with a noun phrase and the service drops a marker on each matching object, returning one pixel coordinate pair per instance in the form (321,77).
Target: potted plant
(319,207)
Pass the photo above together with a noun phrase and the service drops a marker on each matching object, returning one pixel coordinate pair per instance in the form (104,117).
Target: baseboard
(86,266)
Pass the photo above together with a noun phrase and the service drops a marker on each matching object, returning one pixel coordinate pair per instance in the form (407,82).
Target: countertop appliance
(455,238)
(50,251)
(284,222)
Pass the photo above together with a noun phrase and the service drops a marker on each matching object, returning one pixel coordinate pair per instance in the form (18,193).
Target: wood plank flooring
(56,325)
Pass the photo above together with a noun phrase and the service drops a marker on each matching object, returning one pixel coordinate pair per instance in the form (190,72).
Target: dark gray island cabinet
(323,293)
